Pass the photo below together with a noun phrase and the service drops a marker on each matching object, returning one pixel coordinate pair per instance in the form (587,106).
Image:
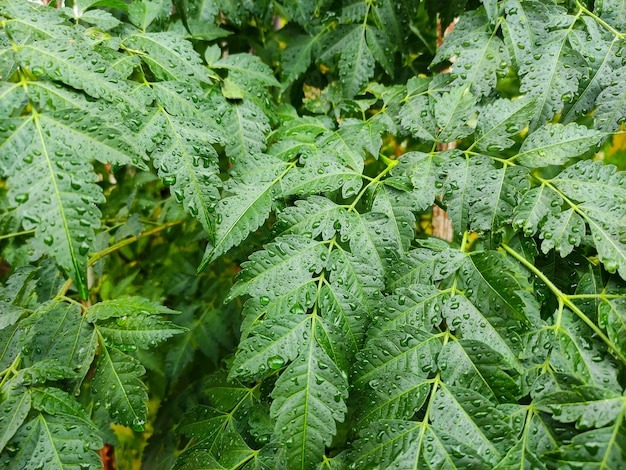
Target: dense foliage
(217,248)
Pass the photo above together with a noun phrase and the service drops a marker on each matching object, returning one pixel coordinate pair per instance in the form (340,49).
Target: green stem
(12,368)
(17,234)
(599,20)
(390,165)
(601,296)
(564,300)
(127,241)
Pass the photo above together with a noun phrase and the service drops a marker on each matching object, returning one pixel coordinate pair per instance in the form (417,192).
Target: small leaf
(562,231)
(472,420)
(290,259)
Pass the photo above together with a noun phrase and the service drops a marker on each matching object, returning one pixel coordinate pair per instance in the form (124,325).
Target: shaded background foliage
(217,236)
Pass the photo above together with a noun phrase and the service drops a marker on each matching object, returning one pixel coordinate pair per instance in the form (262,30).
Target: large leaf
(82,69)
(356,61)
(55,192)
(55,442)
(308,401)
(480,55)
(599,192)
(14,410)
(117,387)
(187,162)
(474,365)
(246,206)
(169,56)
(554,144)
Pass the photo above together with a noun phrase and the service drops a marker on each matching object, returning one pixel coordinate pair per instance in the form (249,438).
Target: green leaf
(55,192)
(168,55)
(562,231)
(321,175)
(14,410)
(356,274)
(137,331)
(475,366)
(552,75)
(11,98)
(598,448)
(125,307)
(480,196)
(27,20)
(492,308)
(405,349)
(452,110)
(246,207)
(417,306)
(356,61)
(599,191)
(418,119)
(424,172)
(613,11)
(535,206)
(55,401)
(575,355)
(270,346)
(247,127)
(297,56)
(535,438)
(315,216)
(102,19)
(400,217)
(472,420)
(92,137)
(187,162)
(402,444)
(501,120)
(612,316)
(555,144)
(12,338)
(62,334)
(83,69)
(602,57)
(345,322)
(269,272)
(480,55)
(309,397)
(117,387)
(55,442)
(588,407)
(609,111)
(247,71)
(301,11)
